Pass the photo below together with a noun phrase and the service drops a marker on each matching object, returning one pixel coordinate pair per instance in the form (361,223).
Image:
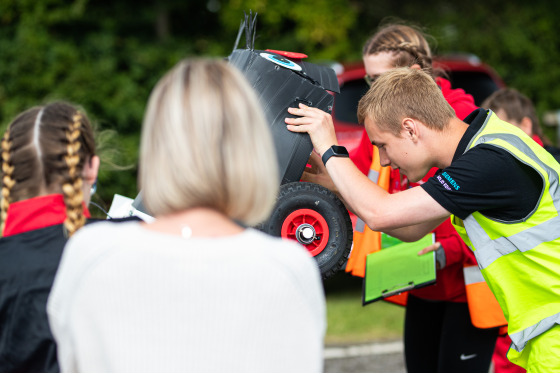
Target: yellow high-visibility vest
(520,260)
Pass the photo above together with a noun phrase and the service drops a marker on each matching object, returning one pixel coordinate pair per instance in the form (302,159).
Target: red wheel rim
(305,219)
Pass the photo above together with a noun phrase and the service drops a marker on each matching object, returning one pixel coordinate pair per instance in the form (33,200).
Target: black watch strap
(336,151)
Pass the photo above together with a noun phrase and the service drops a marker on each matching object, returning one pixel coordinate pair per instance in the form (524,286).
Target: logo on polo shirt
(447,182)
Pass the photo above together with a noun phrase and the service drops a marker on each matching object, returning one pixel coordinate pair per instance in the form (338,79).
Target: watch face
(340,150)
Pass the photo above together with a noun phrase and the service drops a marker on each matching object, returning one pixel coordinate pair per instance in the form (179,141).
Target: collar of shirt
(36,213)
(475,120)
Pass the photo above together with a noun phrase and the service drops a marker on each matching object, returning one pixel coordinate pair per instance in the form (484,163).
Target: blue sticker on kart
(282,61)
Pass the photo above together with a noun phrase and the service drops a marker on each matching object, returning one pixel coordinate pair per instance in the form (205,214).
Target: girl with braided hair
(398,45)
(48,168)
(453,343)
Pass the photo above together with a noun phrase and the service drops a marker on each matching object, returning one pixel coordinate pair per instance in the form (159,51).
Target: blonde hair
(401,93)
(407,43)
(206,143)
(44,151)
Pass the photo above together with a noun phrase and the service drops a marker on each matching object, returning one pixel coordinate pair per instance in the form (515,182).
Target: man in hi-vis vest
(501,188)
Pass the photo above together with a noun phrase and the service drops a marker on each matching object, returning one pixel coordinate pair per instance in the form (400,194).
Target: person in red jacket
(450,342)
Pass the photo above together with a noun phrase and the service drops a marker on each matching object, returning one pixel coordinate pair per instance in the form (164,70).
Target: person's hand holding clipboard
(397,269)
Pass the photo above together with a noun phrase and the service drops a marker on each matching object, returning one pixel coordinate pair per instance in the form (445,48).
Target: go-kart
(305,212)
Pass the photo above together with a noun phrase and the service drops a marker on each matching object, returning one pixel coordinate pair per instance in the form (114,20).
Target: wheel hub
(305,233)
(309,228)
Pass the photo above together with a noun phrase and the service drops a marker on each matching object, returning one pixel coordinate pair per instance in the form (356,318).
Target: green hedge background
(107,55)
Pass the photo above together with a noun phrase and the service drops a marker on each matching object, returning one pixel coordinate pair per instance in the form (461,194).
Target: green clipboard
(398,268)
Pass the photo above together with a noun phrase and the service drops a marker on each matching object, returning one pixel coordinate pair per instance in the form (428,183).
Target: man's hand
(316,123)
(317,173)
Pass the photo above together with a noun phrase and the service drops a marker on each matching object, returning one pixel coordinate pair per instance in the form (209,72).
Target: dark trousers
(439,337)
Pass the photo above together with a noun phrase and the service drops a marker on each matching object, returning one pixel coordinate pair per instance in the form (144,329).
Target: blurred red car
(464,71)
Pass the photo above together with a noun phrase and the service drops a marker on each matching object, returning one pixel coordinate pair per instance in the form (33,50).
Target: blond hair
(401,93)
(407,43)
(206,143)
(44,151)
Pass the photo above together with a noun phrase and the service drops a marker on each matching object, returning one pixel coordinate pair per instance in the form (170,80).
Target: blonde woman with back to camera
(193,291)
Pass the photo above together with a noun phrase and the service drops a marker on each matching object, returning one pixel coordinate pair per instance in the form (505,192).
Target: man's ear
(410,128)
(526,125)
(91,168)
(416,67)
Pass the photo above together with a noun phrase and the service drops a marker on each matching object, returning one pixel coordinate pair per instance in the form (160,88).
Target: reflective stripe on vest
(366,240)
(520,339)
(520,260)
(373,176)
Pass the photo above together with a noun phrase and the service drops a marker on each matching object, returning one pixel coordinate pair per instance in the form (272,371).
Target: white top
(126,298)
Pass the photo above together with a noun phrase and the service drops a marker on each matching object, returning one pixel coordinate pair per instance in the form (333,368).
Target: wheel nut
(305,233)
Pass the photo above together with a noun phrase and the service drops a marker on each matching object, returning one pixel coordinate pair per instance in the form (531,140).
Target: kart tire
(304,208)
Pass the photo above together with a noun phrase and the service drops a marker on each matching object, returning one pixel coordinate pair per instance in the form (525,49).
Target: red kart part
(314,217)
(307,227)
(295,55)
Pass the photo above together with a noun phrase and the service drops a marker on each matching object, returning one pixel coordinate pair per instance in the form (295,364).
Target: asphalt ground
(371,357)
(375,357)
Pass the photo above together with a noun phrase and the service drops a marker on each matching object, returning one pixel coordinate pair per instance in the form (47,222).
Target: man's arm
(407,215)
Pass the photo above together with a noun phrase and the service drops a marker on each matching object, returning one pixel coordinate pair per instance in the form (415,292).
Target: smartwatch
(336,151)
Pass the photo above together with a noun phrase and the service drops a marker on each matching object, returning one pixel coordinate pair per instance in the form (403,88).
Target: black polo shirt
(485,179)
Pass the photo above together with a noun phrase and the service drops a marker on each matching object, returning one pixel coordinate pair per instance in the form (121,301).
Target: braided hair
(7,180)
(408,44)
(43,152)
